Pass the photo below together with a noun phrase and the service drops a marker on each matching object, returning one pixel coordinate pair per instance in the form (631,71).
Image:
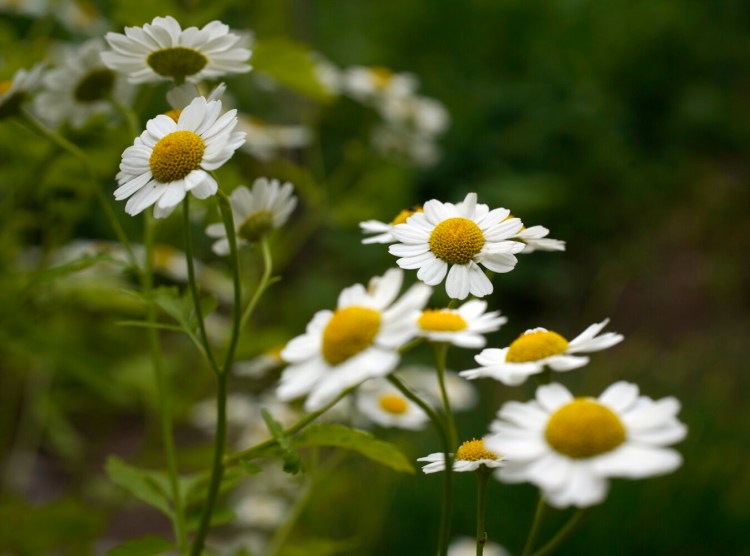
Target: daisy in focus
(359,340)
(256,212)
(538,348)
(453,240)
(569,446)
(461,327)
(382,230)
(81,87)
(470,456)
(171,158)
(384,405)
(15,91)
(163,51)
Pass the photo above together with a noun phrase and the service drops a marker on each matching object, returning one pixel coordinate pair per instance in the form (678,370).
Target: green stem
(128,114)
(72,149)
(164,401)
(562,534)
(194,286)
(228,218)
(263,284)
(440,427)
(483,475)
(535,525)
(441,351)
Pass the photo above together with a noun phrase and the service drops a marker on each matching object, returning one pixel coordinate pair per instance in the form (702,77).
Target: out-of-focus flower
(569,447)
(15,91)
(265,141)
(422,115)
(328,74)
(470,456)
(373,83)
(383,229)
(461,327)
(404,144)
(467,546)
(461,393)
(259,366)
(384,405)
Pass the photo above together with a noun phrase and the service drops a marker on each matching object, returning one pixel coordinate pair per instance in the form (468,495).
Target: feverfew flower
(171,158)
(569,446)
(461,327)
(452,240)
(385,405)
(535,238)
(383,229)
(359,340)
(373,83)
(266,140)
(163,51)
(424,379)
(421,114)
(15,91)
(471,455)
(80,87)
(538,348)
(256,212)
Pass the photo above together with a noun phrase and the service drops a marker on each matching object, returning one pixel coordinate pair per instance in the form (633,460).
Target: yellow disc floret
(456,240)
(403,215)
(381,76)
(174,114)
(176,155)
(5,86)
(350,331)
(536,345)
(441,320)
(474,450)
(177,61)
(584,428)
(393,403)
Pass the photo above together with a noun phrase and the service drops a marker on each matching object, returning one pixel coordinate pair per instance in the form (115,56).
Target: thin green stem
(72,149)
(441,352)
(128,114)
(194,286)
(441,428)
(535,526)
(228,218)
(483,475)
(264,281)
(164,401)
(567,529)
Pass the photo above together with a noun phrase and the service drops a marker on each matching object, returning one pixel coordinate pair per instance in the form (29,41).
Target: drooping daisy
(470,456)
(538,348)
(535,238)
(461,327)
(15,91)
(171,158)
(163,51)
(452,240)
(342,348)
(80,87)
(383,229)
(371,83)
(256,212)
(384,405)
(569,446)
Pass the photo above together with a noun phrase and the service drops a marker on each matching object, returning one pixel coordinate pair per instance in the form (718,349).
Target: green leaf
(139,483)
(292,463)
(146,546)
(339,436)
(195,489)
(290,64)
(250,468)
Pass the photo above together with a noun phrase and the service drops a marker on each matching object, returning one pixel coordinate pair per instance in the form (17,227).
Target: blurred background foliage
(622,126)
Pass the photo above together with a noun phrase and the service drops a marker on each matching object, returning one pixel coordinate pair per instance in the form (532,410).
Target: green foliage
(290,458)
(140,484)
(145,546)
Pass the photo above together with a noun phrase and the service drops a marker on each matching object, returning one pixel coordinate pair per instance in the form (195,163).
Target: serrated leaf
(364,443)
(250,468)
(138,483)
(292,463)
(146,546)
(290,64)
(196,489)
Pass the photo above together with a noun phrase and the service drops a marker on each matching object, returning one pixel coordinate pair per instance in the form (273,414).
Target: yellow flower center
(5,86)
(403,215)
(163,256)
(441,320)
(12,103)
(349,331)
(393,403)
(474,450)
(174,114)
(95,85)
(256,225)
(456,240)
(176,155)
(177,61)
(584,428)
(381,76)
(536,345)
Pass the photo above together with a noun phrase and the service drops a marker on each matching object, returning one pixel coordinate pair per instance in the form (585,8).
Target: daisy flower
(569,446)
(538,348)
(181,96)
(80,87)
(423,378)
(384,405)
(13,92)
(256,212)
(383,229)
(265,140)
(359,340)
(467,546)
(453,240)
(163,51)
(470,456)
(535,238)
(461,327)
(424,115)
(405,144)
(261,365)
(171,158)
(369,83)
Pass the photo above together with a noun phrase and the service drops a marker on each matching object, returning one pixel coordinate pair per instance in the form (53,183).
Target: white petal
(458,285)
(636,462)
(553,396)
